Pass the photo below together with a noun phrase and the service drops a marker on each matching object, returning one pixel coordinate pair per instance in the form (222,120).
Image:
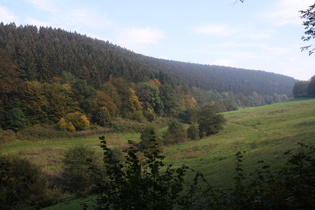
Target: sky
(258,34)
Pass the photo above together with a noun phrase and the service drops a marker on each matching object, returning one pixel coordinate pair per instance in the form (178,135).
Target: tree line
(304,88)
(50,76)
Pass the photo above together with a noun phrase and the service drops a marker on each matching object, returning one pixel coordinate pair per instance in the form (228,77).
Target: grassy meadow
(263,133)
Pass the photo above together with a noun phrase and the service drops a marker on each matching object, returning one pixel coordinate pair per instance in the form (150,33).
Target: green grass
(47,153)
(265,133)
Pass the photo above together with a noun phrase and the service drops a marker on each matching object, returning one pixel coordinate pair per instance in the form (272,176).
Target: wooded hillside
(47,74)
(50,51)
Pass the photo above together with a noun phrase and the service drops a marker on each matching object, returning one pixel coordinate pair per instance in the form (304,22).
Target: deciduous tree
(209,121)
(176,133)
(79,120)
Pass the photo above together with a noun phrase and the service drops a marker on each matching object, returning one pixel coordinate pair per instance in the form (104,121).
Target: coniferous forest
(54,77)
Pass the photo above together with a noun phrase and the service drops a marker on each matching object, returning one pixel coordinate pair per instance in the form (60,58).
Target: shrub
(78,120)
(209,121)
(124,126)
(22,184)
(62,125)
(176,133)
(149,133)
(7,135)
(102,117)
(143,183)
(70,127)
(140,183)
(76,174)
(193,132)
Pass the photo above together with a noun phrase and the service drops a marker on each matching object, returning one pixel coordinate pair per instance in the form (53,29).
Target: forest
(54,77)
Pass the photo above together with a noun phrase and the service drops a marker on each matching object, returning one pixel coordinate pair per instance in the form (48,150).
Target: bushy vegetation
(175,134)
(304,88)
(209,122)
(142,180)
(264,132)
(254,185)
(76,174)
(149,133)
(193,131)
(22,185)
(139,183)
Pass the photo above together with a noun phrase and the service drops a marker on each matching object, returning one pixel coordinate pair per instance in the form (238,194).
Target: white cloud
(139,38)
(6,16)
(46,5)
(144,35)
(216,30)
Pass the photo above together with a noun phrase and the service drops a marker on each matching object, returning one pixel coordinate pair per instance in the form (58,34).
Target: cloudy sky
(259,34)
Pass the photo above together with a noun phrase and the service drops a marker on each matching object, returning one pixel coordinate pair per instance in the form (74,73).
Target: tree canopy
(48,74)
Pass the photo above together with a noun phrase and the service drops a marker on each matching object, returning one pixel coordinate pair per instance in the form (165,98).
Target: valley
(262,133)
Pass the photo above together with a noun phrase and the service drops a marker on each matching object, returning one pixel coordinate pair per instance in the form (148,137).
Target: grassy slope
(263,132)
(48,153)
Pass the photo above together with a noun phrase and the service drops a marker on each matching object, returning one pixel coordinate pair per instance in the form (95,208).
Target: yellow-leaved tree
(74,121)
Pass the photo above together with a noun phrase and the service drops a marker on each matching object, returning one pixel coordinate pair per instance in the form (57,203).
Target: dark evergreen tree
(149,134)
(14,119)
(27,68)
(300,89)
(84,94)
(311,87)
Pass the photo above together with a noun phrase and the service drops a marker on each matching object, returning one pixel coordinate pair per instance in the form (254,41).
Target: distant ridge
(52,51)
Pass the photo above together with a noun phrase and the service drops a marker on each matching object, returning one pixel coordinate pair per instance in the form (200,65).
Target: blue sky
(259,34)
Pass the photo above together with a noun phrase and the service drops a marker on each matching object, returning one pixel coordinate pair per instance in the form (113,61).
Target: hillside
(264,133)
(70,81)
(41,54)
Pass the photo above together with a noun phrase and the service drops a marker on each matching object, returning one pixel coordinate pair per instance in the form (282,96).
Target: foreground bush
(22,185)
(139,183)
(78,179)
(143,182)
